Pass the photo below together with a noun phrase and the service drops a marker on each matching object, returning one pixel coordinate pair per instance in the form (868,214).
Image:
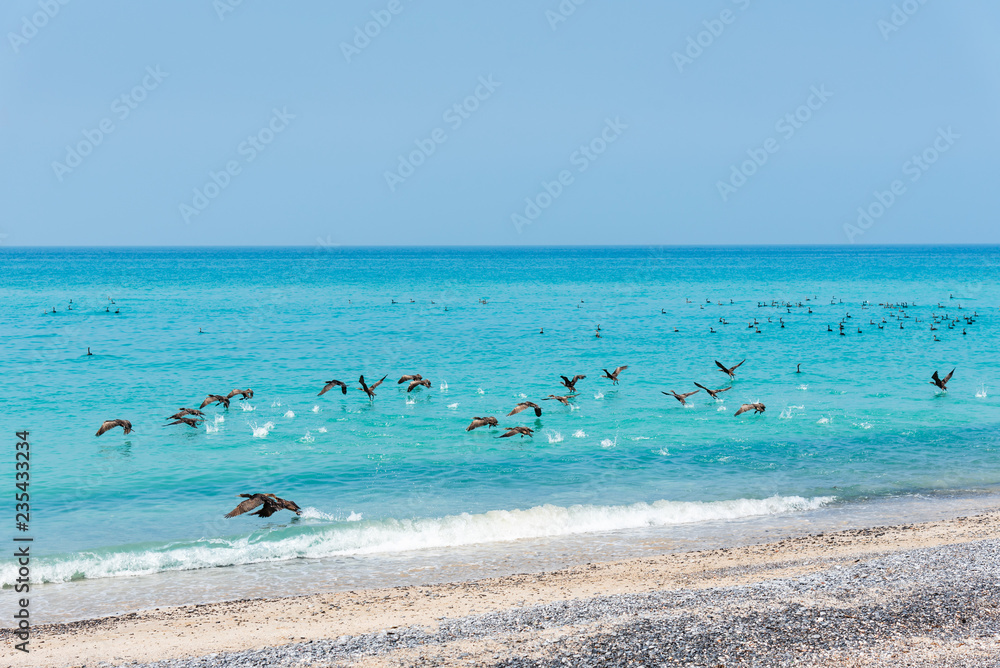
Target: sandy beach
(924,592)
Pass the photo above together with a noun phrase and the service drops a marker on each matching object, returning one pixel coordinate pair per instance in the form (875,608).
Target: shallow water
(860,425)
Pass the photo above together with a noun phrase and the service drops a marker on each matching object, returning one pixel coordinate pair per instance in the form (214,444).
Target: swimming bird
(681,397)
(271,503)
(482,422)
(563,400)
(89,354)
(418,383)
(712,393)
(728,370)
(191,422)
(370,391)
(525,405)
(245,394)
(755,407)
(111,424)
(523,431)
(404,379)
(941,382)
(330,384)
(798,368)
(213,398)
(571,384)
(186,411)
(613,375)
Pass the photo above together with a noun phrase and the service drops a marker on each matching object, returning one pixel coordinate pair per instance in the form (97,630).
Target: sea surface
(395,490)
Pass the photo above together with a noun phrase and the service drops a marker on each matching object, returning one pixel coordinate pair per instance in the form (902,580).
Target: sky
(401,122)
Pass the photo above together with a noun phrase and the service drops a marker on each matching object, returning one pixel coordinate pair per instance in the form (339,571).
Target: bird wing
(620,369)
(477,422)
(363,385)
(744,408)
(330,385)
(413,384)
(517,409)
(721,366)
(738,365)
(234,393)
(948,377)
(406,378)
(697,384)
(937,381)
(246,506)
(509,432)
(379,382)
(208,400)
(577,377)
(688,394)
(724,389)
(108,424)
(288,505)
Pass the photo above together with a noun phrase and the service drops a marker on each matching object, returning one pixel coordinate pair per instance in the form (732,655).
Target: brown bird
(111,424)
(246,394)
(728,370)
(271,503)
(370,391)
(415,376)
(418,383)
(524,405)
(213,398)
(941,382)
(511,431)
(681,397)
(191,422)
(712,393)
(563,400)
(186,411)
(481,422)
(613,376)
(755,407)
(571,384)
(330,384)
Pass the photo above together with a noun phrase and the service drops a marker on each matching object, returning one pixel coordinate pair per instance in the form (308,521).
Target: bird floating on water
(271,503)
(111,424)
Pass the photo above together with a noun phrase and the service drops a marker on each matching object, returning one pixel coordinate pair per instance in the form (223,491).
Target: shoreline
(342,618)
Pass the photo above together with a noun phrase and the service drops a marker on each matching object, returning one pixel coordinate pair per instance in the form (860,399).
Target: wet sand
(595,610)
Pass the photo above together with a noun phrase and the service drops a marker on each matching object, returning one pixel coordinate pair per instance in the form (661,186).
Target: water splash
(275,403)
(608,443)
(802,387)
(981,393)
(579,433)
(261,432)
(452,406)
(247,407)
(480,391)
(289,414)
(554,436)
(599,395)
(308,438)
(322,430)
(823,420)
(315,409)
(443,386)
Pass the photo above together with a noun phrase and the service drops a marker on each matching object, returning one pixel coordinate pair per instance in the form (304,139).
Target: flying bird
(571,384)
(330,384)
(712,393)
(481,422)
(728,370)
(941,382)
(415,376)
(186,411)
(245,394)
(613,375)
(271,503)
(523,431)
(681,397)
(755,407)
(213,398)
(418,383)
(111,424)
(563,400)
(370,391)
(191,422)
(524,405)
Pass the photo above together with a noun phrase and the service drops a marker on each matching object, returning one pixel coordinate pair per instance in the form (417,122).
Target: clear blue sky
(673,129)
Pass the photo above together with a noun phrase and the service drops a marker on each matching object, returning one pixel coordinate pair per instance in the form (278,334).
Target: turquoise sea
(395,490)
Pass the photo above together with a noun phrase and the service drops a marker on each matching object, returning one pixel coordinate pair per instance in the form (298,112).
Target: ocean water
(395,489)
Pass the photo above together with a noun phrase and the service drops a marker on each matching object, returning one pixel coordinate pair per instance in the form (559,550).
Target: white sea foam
(315,409)
(261,432)
(981,392)
(662,451)
(788,413)
(599,395)
(213,426)
(275,403)
(863,425)
(289,414)
(608,443)
(480,391)
(247,407)
(579,433)
(803,387)
(393,536)
(720,409)
(443,386)
(410,401)
(452,406)
(823,420)
(554,436)
(308,438)
(322,430)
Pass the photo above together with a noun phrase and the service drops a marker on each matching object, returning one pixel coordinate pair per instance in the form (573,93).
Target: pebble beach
(916,595)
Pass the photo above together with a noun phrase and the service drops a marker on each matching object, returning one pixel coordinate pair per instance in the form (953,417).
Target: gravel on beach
(937,606)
